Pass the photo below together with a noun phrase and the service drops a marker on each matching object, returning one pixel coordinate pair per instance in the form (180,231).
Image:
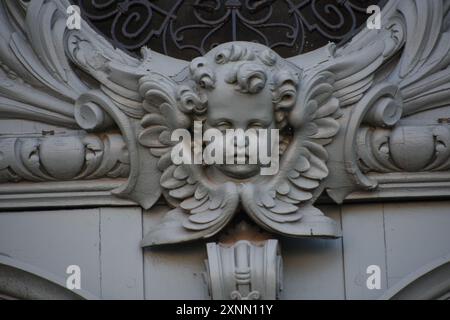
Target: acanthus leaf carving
(396,150)
(52,157)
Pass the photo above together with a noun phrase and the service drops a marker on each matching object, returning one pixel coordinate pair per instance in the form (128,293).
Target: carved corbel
(244,270)
(245,265)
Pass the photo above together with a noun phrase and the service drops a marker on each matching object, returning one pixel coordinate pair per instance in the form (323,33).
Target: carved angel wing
(284,204)
(202,207)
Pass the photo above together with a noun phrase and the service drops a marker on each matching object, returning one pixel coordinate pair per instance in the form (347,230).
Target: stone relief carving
(350,118)
(51,157)
(396,150)
(244,270)
(245,265)
(206,197)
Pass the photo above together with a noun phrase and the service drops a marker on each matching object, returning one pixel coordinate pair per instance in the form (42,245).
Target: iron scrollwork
(189,28)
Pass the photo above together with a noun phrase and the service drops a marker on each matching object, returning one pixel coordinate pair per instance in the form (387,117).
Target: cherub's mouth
(246,157)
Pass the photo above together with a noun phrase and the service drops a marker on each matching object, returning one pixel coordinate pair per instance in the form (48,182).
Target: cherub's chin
(239,171)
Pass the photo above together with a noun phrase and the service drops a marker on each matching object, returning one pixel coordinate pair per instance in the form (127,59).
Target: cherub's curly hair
(250,72)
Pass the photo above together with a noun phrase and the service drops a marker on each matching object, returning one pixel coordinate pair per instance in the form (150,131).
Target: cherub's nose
(244,139)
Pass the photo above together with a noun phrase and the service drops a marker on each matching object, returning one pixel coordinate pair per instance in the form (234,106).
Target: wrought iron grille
(188,28)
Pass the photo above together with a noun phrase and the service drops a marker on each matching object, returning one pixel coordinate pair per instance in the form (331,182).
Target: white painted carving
(351,118)
(244,270)
(52,157)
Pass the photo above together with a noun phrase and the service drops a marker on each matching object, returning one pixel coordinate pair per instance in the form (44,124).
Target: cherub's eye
(223,125)
(256,125)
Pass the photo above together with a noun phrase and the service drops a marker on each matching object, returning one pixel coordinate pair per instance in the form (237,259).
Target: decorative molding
(395,150)
(19,280)
(430,282)
(31,195)
(60,157)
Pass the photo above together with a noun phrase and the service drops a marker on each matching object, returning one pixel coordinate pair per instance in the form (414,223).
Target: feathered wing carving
(205,210)
(202,207)
(285,203)
(282,203)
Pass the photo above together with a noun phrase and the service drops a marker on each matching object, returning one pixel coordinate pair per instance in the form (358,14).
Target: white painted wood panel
(53,240)
(313,268)
(121,255)
(173,272)
(416,234)
(364,245)
(104,242)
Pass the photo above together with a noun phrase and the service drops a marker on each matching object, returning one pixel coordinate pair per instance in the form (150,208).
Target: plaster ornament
(242,86)
(244,270)
(342,113)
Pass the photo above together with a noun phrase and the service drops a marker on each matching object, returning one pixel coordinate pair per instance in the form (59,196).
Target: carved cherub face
(230,109)
(241,88)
